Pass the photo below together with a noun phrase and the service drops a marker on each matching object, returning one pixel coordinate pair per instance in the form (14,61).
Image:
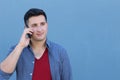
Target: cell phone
(29,35)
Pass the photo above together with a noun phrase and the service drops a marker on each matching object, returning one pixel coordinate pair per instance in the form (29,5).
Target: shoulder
(57,50)
(56,46)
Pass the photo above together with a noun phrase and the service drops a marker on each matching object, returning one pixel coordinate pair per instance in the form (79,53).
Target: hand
(24,41)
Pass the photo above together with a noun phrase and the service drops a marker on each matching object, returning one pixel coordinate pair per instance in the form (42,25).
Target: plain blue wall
(88,29)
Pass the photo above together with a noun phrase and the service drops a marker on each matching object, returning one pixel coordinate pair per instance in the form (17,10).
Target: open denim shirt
(59,63)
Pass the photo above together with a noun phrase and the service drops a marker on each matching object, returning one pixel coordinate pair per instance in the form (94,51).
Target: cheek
(46,28)
(34,29)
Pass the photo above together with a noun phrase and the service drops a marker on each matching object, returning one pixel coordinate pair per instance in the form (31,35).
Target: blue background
(88,29)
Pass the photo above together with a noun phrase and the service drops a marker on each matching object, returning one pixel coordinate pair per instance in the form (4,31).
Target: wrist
(19,45)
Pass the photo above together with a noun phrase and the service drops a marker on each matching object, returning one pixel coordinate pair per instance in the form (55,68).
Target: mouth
(39,34)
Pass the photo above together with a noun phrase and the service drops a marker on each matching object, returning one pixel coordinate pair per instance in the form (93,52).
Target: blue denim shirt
(59,64)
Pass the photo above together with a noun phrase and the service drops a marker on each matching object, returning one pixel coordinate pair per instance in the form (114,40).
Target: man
(35,57)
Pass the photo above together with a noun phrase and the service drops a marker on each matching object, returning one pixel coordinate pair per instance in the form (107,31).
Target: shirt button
(30,74)
(33,62)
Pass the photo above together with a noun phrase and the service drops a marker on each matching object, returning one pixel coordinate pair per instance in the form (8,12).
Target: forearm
(9,64)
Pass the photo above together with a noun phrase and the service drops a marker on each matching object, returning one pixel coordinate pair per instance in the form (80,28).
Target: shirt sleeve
(4,76)
(66,66)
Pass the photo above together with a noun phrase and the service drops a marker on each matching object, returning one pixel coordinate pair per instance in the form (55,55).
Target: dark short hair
(33,12)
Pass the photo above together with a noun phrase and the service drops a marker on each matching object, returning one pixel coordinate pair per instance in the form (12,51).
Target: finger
(28,30)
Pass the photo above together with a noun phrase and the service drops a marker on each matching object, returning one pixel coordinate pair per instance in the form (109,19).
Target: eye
(43,23)
(34,25)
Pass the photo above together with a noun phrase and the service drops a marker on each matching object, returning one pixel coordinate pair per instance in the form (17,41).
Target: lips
(39,34)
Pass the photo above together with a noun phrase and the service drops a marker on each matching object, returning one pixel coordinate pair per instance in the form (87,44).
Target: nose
(39,28)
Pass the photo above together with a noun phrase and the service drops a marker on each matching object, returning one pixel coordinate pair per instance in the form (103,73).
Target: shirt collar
(47,44)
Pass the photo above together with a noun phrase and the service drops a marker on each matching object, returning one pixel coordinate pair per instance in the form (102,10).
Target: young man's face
(39,26)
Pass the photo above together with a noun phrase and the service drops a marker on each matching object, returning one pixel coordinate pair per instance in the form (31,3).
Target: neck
(38,48)
(38,44)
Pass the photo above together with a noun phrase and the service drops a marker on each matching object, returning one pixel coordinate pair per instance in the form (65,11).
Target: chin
(40,39)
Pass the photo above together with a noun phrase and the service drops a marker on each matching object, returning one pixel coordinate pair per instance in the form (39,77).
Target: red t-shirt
(42,68)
